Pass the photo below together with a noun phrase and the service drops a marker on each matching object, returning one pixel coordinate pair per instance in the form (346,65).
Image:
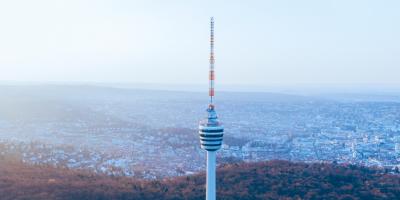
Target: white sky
(257,42)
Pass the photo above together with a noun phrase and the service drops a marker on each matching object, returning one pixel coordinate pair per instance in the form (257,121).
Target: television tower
(211,130)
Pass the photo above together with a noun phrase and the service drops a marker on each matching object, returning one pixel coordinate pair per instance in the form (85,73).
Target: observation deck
(211,131)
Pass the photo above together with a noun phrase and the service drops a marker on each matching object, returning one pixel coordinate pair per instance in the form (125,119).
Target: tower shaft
(210,185)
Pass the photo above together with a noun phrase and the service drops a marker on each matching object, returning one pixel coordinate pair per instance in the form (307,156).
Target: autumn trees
(263,180)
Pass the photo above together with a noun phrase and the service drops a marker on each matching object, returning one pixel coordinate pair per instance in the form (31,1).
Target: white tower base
(210,186)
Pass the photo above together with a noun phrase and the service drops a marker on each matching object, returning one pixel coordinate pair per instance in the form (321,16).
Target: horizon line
(304,88)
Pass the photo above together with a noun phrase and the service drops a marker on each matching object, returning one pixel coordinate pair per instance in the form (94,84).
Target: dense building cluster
(137,133)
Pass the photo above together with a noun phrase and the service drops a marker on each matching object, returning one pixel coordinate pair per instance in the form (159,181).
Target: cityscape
(132,132)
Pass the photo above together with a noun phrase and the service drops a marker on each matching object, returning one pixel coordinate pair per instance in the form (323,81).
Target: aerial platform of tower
(211,130)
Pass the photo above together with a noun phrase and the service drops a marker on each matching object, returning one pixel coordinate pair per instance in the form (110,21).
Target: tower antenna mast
(212,60)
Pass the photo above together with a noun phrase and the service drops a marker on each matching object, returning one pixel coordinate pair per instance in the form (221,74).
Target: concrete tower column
(210,185)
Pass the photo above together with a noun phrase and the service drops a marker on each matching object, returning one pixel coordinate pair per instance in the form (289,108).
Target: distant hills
(263,180)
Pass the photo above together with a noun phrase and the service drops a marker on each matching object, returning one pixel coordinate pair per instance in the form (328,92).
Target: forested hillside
(263,180)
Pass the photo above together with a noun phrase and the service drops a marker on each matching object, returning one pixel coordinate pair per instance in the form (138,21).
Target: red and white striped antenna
(212,60)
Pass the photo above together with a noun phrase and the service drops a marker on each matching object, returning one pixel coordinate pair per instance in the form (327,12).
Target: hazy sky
(257,42)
